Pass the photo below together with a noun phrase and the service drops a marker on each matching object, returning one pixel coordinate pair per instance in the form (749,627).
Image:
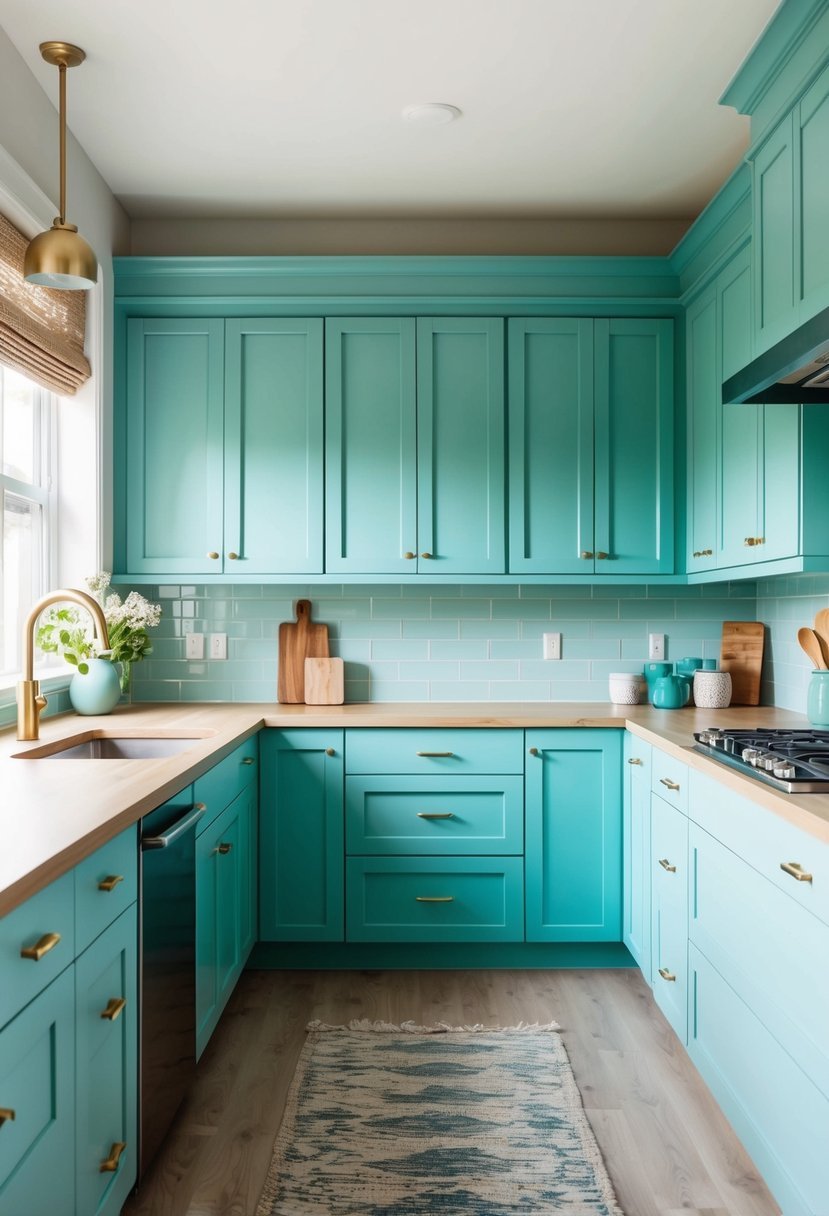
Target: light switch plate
(656,646)
(552,645)
(218,646)
(194,645)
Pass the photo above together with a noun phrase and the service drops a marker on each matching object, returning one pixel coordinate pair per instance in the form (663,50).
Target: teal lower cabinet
(435,899)
(573,866)
(636,850)
(69,1041)
(302,836)
(106,980)
(225,910)
(37,1105)
(669,904)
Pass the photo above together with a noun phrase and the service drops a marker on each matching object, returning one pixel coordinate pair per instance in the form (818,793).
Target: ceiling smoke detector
(431,114)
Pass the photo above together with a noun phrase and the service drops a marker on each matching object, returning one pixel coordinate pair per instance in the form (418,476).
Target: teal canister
(652,673)
(670,692)
(817,699)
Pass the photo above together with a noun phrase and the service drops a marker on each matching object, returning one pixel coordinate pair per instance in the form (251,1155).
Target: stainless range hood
(794,370)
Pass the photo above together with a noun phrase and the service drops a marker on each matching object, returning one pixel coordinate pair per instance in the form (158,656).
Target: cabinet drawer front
(429,815)
(746,927)
(37,1078)
(440,751)
(51,911)
(670,964)
(218,787)
(776,1110)
(765,841)
(669,853)
(669,779)
(105,885)
(424,899)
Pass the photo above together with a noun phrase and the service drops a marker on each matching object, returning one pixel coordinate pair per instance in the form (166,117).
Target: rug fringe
(365,1024)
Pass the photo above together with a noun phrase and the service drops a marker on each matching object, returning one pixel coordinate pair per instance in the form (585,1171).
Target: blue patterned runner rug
(408,1120)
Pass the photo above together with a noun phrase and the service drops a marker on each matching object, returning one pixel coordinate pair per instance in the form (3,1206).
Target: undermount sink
(97,745)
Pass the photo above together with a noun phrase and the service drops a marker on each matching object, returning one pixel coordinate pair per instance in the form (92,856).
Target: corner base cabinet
(573,865)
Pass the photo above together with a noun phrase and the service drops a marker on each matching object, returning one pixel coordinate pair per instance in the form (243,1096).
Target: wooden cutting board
(741,654)
(324,681)
(298,640)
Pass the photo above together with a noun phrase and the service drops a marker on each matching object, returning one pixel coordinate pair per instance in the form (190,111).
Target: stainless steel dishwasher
(168,966)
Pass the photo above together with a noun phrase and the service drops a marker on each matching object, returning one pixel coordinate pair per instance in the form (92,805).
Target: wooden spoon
(810,642)
(822,631)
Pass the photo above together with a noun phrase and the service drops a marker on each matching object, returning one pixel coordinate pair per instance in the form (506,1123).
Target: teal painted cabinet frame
(573,864)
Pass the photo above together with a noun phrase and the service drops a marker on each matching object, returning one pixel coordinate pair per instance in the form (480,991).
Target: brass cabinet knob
(115,1007)
(213,555)
(248,760)
(224,849)
(585,553)
(7,1115)
(41,947)
(428,555)
(329,751)
(409,556)
(634,760)
(667,975)
(110,883)
(750,540)
(600,556)
(234,557)
(110,1164)
(533,751)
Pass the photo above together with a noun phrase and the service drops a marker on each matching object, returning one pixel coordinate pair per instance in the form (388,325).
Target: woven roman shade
(41,330)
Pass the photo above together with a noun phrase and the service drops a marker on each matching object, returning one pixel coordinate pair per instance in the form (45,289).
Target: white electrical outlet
(656,646)
(552,645)
(218,645)
(194,645)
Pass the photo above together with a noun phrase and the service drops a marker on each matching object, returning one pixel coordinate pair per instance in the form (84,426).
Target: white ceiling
(602,108)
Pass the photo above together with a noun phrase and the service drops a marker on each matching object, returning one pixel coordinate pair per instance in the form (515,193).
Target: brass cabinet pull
(234,557)
(671,785)
(110,1164)
(428,555)
(667,975)
(707,553)
(435,815)
(6,1115)
(115,1007)
(759,540)
(248,760)
(329,751)
(698,553)
(749,540)
(213,555)
(37,951)
(602,557)
(534,751)
(435,899)
(795,869)
(109,884)
(224,849)
(585,553)
(409,556)
(666,865)
(439,755)
(634,760)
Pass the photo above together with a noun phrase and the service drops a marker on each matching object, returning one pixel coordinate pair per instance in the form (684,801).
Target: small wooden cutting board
(741,654)
(324,681)
(298,640)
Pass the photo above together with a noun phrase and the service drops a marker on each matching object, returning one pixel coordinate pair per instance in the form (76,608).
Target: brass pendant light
(60,257)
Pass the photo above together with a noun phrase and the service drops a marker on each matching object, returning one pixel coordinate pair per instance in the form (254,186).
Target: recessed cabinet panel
(370,446)
(273,446)
(174,473)
(774,234)
(703,430)
(814,185)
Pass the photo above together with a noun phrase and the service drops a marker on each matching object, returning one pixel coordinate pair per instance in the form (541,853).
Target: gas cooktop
(795,761)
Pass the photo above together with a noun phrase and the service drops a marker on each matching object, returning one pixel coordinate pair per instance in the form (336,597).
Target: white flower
(99,582)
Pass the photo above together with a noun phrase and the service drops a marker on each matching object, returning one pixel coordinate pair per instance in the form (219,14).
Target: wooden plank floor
(668,1149)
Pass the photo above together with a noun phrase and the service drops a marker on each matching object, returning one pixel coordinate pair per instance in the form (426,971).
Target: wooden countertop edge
(157,780)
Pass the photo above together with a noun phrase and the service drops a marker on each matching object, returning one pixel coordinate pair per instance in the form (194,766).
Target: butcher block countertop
(54,813)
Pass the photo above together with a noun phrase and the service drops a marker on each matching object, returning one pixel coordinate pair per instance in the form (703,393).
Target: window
(27,505)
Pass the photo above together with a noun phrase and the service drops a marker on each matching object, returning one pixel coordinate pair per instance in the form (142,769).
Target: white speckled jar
(712,689)
(625,687)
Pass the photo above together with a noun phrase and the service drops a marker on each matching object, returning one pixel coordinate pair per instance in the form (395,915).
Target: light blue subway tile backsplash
(785,604)
(464,642)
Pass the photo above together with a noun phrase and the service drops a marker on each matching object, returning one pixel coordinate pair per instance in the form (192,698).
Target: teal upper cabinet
(415,446)
(791,183)
(224,446)
(174,434)
(704,414)
(591,446)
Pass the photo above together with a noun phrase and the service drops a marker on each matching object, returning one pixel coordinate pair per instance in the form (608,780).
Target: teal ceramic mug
(653,671)
(670,692)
